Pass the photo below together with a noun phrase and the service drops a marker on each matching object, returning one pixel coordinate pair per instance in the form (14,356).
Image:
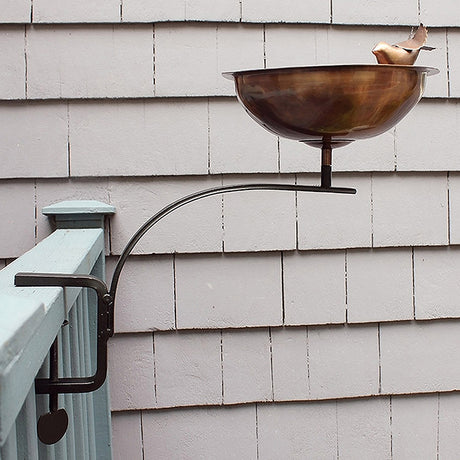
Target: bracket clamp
(105,325)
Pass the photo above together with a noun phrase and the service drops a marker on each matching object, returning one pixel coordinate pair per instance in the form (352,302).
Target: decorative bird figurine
(404,53)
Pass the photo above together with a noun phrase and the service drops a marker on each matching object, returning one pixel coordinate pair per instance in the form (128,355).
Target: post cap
(79,213)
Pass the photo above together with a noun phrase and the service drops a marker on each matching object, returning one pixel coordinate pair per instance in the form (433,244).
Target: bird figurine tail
(404,53)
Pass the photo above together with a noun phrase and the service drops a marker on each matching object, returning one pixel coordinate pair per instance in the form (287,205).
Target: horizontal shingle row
(389,209)
(297,11)
(145,60)
(159,137)
(372,428)
(298,288)
(252,221)
(282,364)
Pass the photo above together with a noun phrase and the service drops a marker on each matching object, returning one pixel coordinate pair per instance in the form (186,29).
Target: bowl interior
(336,104)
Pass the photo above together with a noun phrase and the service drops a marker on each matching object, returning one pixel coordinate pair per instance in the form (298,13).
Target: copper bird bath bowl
(330,106)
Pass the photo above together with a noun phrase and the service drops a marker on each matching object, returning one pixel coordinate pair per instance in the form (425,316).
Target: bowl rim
(230,75)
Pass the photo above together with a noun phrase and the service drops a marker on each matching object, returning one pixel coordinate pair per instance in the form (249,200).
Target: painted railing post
(90,214)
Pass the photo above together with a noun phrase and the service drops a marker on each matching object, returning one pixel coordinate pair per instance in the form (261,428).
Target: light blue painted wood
(84,399)
(9,449)
(27,442)
(60,448)
(17,377)
(31,317)
(77,398)
(79,214)
(30,411)
(68,401)
(67,251)
(34,318)
(103,426)
(78,207)
(88,370)
(101,400)
(42,405)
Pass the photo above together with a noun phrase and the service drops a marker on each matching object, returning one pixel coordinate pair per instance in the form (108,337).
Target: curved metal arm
(51,425)
(202,194)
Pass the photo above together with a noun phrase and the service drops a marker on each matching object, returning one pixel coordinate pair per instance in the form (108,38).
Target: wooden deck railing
(30,321)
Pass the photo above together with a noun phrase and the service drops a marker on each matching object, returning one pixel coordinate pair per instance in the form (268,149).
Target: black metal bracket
(52,425)
(54,385)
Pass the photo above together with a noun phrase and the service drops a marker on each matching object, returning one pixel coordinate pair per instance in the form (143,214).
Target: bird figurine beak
(404,53)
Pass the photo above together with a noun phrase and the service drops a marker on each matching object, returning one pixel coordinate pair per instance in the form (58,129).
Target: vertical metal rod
(54,373)
(326,164)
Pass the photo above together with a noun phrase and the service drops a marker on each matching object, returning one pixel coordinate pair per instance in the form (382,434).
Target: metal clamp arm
(104,330)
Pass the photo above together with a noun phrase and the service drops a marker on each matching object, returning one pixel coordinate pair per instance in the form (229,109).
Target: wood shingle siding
(253,325)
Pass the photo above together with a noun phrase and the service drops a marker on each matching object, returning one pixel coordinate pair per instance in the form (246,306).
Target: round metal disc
(52,426)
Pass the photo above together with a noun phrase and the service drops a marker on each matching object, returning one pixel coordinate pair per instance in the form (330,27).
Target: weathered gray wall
(248,324)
